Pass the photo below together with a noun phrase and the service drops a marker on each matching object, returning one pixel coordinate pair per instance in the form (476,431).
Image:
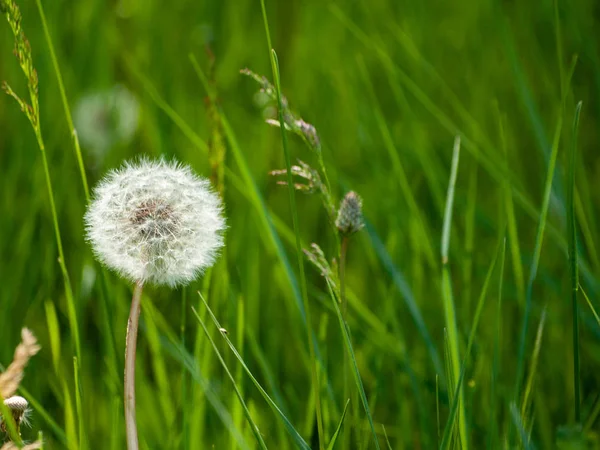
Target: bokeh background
(388,85)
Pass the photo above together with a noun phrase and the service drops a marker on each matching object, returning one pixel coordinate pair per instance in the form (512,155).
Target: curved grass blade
(300,255)
(335,436)
(456,397)
(573,266)
(172,344)
(406,292)
(253,425)
(587,299)
(493,426)
(447,297)
(63,96)
(518,421)
(532,370)
(300,443)
(355,372)
(536,258)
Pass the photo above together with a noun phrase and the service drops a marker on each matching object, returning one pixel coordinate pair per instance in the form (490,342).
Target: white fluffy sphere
(156,222)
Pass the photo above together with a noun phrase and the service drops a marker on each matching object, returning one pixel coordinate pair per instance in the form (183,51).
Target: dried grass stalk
(11,378)
(12,446)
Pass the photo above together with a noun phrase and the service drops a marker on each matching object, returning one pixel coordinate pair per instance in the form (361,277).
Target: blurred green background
(388,85)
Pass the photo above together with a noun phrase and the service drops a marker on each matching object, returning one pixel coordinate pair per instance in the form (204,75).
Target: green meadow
(463,315)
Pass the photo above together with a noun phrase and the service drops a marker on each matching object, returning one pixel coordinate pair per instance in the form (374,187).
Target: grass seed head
(350,218)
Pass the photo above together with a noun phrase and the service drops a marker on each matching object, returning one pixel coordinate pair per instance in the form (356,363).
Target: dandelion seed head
(16,404)
(19,407)
(106,118)
(156,222)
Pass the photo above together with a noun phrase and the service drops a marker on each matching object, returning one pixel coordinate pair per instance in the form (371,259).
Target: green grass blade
(456,399)
(300,443)
(46,417)
(399,171)
(83,442)
(70,427)
(518,422)
(172,344)
(536,259)
(300,255)
(53,333)
(587,299)
(494,417)
(253,426)
(527,394)
(402,285)
(355,371)
(335,436)
(447,296)
(63,96)
(574,266)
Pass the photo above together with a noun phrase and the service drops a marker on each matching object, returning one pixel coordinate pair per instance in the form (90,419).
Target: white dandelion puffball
(156,222)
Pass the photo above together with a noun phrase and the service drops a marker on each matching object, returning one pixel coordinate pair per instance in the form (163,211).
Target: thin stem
(573,263)
(343,251)
(130,348)
(342,273)
(63,96)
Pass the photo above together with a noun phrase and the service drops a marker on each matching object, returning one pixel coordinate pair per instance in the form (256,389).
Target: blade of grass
(354,365)
(63,96)
(240,330)
(536,258)
(407,294)
(172,344)
(532,370)
(335,436)
(513,235)
(292,197)
(300,443)
(447,296)
(493,426)
(518,422)
(590,305)
(573,265)
(70,429)
(253,426)
(53,333)
(456,399)
(83,442)
(400,173)
(45,415)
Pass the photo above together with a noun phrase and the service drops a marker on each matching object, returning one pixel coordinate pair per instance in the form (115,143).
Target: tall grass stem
(311,346)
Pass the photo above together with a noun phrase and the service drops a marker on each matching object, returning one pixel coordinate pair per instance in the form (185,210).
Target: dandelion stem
(130,349)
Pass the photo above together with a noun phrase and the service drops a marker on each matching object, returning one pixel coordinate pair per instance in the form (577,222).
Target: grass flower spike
(156,222)
(350,217)
(153,222)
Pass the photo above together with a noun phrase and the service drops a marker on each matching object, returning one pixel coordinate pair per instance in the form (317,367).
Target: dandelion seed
(153,222)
